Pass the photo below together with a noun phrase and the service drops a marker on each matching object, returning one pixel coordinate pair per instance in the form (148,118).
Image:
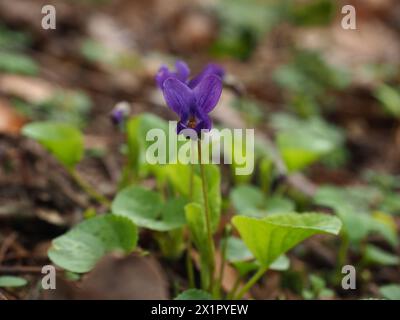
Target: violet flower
(192,100)
(120,112)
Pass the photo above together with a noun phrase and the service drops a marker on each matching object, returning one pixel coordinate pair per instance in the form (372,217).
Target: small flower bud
(120,112)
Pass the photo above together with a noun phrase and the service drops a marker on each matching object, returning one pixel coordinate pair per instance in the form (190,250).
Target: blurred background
(293,73)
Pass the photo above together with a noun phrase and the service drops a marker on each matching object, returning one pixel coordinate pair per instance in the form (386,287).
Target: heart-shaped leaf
(146,209)
(80,248)
(64,141)
(274,235)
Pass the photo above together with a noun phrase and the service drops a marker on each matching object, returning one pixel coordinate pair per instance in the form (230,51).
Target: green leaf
(390,291)
(303,142)
(196,221)
(352,206)
(389,97)
(11,281)
(236,250)
(80,248)
(240,256)
(250,201)
(146,209)
(313,13)
(194,294)
(213,177)
(10,39)
(64,141)
(279,204)
(281,263)
(13,62)
(274,235)
(137,129)
(179,176)
(197,225)
(375,255)
(247,199)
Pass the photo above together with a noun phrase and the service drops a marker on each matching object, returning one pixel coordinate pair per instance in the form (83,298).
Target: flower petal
(162,75)
(208,92)
(208,70)
(179,97)
(182,71)
(205,123)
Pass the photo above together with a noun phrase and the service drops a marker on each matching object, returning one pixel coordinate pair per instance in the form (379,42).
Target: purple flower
(120,112)
(192,100)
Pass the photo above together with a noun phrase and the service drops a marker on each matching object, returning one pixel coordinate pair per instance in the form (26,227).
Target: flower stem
(189,262)
(223,262)
(207,216)
(85,186)
(253,280)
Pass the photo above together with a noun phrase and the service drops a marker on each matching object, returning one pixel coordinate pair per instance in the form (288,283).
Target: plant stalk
(189,262)
(207,216)
(88,189)
(253,280)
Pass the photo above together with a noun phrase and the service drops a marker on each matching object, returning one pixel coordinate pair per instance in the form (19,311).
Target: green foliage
(136,130)
(213,186)
(307,80)
(247,199)
(313,13)
(389,97)
(251,111)
(243,23)
(390,291)
(274,235)
(64,141)
(241,257)
(65,106)
(352,206)
(196,221)
(146,209)
(317,289)
(303,142)
(375,255)
(13,62)
(96,52)
(194,294)
(179,176)
(12,281)
(80,248)
(250,201)
(11,40)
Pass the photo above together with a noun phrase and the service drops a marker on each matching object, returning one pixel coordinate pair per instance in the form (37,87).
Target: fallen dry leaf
(116,277)
(11,122)
(33,90)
